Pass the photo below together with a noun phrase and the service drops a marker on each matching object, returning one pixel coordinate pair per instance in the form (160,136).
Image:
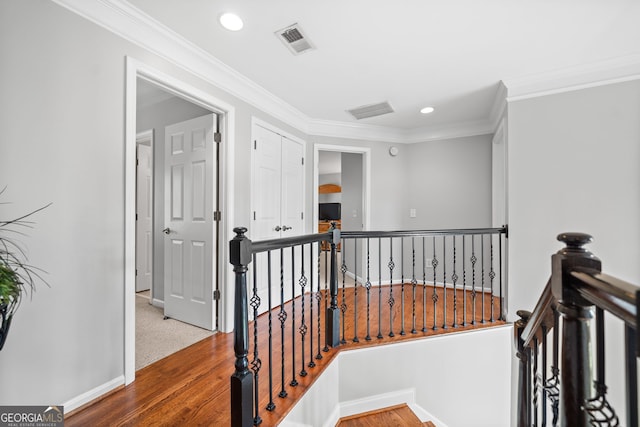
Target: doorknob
(285,228)
(166,230)
(278,228)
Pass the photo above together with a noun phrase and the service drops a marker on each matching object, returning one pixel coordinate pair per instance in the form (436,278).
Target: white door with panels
(189,249)
(277,204)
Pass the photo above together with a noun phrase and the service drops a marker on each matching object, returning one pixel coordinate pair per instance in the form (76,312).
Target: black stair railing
(301,297)
(567,391)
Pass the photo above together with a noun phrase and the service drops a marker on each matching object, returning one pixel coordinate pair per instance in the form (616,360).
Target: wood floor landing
(191,387)
(393,416)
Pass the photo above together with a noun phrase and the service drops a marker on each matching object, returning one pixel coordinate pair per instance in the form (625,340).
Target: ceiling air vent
(371,110)
(293,37)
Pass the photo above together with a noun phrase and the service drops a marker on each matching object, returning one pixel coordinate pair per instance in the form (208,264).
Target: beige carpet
(157,338)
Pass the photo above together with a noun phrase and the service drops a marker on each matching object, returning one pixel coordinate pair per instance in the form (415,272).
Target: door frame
(145,137)
(136,69)
(366,179)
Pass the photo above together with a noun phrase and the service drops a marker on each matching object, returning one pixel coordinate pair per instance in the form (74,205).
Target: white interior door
(266,184)
(189,231)
(144,218)
(292,179)
(278,206)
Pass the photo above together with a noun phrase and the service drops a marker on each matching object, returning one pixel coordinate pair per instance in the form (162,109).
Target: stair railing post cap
(575,241)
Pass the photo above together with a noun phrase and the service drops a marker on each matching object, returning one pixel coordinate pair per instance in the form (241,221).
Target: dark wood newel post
(576,359)
(524,371)
(242,379)
(332,324)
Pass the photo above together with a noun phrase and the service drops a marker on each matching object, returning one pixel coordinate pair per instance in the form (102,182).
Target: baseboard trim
(93,395)
(157,303)
(371,403)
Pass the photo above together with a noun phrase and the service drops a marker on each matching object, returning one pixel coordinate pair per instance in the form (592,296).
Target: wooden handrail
(542,315)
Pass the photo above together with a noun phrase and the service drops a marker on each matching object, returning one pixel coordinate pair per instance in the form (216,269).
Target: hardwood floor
(393,416)
(191,387)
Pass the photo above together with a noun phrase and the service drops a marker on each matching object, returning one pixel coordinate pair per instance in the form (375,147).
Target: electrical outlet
(412,213)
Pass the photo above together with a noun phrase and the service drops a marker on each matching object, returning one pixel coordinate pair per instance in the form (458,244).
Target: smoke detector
(294,39)
(371,110)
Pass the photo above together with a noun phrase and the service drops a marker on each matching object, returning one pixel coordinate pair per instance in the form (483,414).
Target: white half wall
(456,379)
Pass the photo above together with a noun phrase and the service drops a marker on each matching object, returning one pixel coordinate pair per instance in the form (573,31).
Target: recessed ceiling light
(231,21)
(427,110)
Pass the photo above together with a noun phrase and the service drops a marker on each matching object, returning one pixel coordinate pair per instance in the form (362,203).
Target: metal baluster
(293,382)
(444,282)
(379,336)
(434,297)
(282,316)
(492,275)
(454,279)
(319,302)
(534,351)
(312,364)
(367,285)
(464,282)
(552,385)
(545,365)
(343,306)
(600,411)
(482,264)
(256,363)
(303,323)
(270,406)
(355,291)
(424,286)
(326,296)
(473,278)
(631,350)
(402,332)
(392,301)
(414,283)
(501,270)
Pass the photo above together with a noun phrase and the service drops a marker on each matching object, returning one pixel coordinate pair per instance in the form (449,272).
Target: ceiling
(447,54)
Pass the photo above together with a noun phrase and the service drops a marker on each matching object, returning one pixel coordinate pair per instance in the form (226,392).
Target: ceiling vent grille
(372,110)
(294,39)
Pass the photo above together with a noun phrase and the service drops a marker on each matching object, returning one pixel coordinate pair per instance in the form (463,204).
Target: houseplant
(16,275)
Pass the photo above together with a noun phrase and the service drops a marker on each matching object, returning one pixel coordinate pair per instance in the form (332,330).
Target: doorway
(349,169)
(342,190)
(166,89)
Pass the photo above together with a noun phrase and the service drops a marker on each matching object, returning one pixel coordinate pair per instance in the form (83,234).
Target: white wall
(573,166)
(157,117)
(443,376)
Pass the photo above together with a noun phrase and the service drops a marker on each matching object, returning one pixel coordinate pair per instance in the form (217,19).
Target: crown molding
(398,136)
(130,23)
(499,106)
(133,25)
(613,70)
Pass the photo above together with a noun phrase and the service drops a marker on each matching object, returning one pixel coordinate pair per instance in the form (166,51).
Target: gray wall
(352,192)
(448,183)
(156,117)
(573,166)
